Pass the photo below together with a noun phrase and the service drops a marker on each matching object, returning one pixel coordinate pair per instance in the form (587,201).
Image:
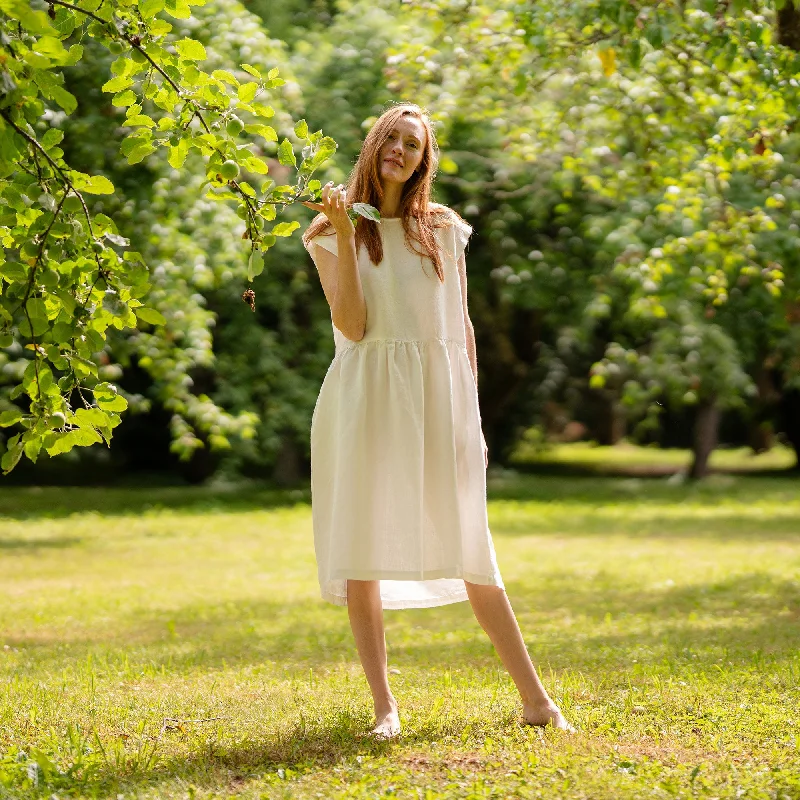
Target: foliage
(69,278)
(643,177)
(630,173)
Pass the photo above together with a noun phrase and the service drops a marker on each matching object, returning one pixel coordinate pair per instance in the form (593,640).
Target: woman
(398,458)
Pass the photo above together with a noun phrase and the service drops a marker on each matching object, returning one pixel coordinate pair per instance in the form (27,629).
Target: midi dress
(398,476)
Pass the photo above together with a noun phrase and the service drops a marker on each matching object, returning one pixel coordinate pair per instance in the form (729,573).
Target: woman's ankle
(384,706)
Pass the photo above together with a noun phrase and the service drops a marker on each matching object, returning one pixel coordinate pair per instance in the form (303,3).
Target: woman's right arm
(339,275)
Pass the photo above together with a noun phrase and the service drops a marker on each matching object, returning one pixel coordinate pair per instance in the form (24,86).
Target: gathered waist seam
(437,340)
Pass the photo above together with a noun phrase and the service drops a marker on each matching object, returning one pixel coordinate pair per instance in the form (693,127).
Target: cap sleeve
(327,242)
(463,230)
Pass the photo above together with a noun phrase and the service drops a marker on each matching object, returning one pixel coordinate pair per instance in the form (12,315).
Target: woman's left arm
(470,330)
(472,352)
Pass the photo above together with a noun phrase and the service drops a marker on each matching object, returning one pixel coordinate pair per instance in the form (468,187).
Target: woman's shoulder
(444,214)
(319,226)
(444,217)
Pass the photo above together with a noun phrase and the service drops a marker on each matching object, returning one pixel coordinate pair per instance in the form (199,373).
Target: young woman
(398,458)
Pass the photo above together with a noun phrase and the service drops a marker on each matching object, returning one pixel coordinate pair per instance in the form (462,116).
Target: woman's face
(402,151)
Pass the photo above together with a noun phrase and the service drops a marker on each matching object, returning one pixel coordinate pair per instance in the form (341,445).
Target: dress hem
(424,602)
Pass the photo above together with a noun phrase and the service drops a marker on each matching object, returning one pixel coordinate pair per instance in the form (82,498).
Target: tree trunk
(790,408)
(287,470)
(789,26)
(611,421)
(706,431)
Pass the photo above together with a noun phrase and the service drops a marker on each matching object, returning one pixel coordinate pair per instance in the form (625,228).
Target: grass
(625,458)
(170,643)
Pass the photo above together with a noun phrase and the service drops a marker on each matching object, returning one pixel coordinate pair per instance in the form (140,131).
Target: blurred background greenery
(632,179)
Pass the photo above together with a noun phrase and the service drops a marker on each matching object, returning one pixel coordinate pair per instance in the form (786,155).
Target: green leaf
(74,56)
(11,417)
(12,456)
(150,315)
(286,154)
(266,131)
(247,91)
(149,8)
(191,50)
(51,138)
(66,100)
(255,266)
(34,21)
(117,403)
(285,228)
(82,367)
(178,8)
(92,184)
(83,437)
(225,76)
(261,110)
(14,272)
(140,152)
(301,129)
(366,210)
(159,27)
(251,70)
(255,164)
(140,120)
(32,448)
(90,418)
(61,443)
(326,147)
(126,98)
(177,154)
(117,84)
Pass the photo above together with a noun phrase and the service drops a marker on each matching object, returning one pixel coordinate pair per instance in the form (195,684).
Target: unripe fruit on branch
(72,205)
(229,170)
(234,126)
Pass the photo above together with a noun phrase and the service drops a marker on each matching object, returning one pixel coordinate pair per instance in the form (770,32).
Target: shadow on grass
(52,542)
(736,617)
(672,630)
(581,490)
(34,502)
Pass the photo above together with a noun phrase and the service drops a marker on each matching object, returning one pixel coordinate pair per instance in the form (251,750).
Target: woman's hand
(485,449)
(334,206)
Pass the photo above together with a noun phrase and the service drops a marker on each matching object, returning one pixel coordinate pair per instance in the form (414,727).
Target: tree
(674,124)
(68,277)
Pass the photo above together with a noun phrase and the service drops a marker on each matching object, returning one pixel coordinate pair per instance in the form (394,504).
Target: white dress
(398,478)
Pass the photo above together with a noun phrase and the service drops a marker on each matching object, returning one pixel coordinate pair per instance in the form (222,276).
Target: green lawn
(171,643)
(625,458)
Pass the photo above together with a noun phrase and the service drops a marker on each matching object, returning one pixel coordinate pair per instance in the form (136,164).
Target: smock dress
(398,477)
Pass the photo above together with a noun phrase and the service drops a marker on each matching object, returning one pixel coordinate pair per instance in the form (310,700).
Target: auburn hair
(364,186)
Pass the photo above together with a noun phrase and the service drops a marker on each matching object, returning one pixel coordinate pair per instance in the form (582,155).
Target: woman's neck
(392,194)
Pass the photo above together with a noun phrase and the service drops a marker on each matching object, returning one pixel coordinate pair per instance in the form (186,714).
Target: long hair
(364,186)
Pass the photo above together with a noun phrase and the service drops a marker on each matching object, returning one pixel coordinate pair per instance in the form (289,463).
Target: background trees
(630,172)
(666,259)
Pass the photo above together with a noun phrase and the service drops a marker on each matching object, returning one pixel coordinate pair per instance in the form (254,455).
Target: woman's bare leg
(495,615)
(366,619)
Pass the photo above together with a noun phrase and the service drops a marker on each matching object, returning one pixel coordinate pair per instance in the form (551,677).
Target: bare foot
(546,715)
(387,724)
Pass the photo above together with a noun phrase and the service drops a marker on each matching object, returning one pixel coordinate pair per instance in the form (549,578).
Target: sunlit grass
(626,457)
(172,644)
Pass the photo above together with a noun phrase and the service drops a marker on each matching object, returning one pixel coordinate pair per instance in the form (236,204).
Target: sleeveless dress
(398,477)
